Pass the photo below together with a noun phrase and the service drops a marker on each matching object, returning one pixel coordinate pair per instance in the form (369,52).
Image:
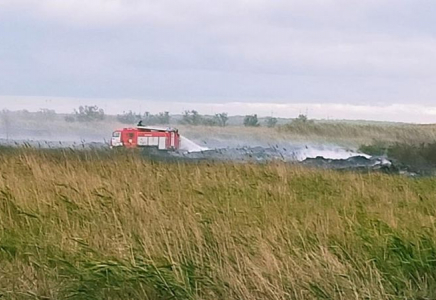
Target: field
(34,126)
(100,225)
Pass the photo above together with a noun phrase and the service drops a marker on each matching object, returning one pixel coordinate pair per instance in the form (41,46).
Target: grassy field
(343,133)
(357,134)
(84,225)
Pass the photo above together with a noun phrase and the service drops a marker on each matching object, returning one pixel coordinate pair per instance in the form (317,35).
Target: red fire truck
(145,136)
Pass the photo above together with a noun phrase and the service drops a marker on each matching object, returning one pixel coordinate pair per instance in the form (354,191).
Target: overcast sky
(371,53)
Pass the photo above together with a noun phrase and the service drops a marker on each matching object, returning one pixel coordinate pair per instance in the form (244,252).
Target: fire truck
(145,136)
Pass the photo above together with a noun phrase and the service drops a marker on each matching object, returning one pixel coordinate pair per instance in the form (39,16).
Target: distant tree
(23,112)
(221,119)
(209,121)
(129,117)
(46,114)
(147,118)
(89,114)
(70,118)
(302,120)
(5,116)
(163,118)
(192,117)
(251,121)
(271,122)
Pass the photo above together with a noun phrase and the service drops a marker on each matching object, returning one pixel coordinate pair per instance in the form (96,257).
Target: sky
(331,58)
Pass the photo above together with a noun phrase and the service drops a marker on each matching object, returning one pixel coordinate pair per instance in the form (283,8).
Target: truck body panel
(143,136)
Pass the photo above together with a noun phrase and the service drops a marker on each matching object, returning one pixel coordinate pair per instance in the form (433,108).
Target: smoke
(284,151)
(190,146)
(327,152)
(53,131)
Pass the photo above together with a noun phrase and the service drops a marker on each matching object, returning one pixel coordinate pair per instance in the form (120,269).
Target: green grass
(90,225)
(417,157)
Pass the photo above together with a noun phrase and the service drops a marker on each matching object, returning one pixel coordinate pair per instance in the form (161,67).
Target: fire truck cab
(145,136)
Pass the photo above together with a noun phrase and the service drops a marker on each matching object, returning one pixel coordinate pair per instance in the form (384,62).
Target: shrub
(251,121)
(375,149)
(161,118)
(89,114)
(70,118)
(129,117)
(191,117)
(221,119)
(209,122)
(271,122)
(417,156)
(46,114)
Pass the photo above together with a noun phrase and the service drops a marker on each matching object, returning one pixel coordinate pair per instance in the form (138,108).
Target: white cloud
(281,13)
(109,12)
(287,50)
(258,37)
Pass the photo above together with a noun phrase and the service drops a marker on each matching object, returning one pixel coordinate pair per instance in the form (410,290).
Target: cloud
(112,12)
(236,50)
(280,13)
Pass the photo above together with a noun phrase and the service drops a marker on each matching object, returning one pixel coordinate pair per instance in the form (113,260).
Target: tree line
(192,118)
(189,117)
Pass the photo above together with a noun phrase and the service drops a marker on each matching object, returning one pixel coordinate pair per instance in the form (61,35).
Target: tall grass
(362,133)
(417,157)
(88,225)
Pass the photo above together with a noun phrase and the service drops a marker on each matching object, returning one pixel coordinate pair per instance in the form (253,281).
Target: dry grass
(338,133)
(362,133)
(343,133)
(114,226)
